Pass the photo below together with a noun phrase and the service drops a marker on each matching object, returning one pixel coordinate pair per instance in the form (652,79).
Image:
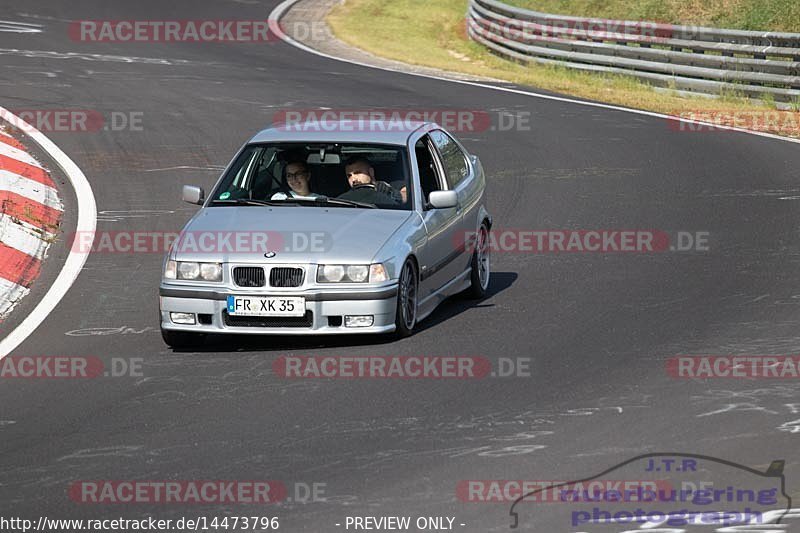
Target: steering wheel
(364,186)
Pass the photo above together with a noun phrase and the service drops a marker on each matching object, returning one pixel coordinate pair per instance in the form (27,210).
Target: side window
(430,178)
(454,160)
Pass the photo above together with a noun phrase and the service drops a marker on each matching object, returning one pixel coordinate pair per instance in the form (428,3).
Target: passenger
(298,176)
(363,186)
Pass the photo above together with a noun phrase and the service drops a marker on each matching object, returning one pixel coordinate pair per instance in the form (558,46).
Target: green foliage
(765,15)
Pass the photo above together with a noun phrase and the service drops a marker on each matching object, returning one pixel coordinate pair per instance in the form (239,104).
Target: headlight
(358,273)
(351,273)
(330,273)
(193,271)
(211,271)
(188,270)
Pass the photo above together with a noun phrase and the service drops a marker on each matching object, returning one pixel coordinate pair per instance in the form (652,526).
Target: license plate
(266,306)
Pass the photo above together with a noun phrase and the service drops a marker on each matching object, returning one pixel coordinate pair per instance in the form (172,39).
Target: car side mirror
(443,199)
(193,194)
(474,159)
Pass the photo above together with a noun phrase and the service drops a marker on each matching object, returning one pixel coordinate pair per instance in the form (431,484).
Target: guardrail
(689,58)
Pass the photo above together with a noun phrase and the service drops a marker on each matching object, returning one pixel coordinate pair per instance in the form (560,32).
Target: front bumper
(327,307)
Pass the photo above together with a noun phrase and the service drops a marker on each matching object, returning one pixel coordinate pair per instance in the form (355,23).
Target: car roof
(341,131)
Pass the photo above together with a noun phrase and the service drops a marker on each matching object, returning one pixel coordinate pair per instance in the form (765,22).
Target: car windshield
(361,176)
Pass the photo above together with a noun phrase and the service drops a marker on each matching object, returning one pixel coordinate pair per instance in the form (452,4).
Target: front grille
(249,276)
(269,321)
(286,277)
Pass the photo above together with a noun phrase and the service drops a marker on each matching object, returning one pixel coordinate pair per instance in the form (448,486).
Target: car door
(459,174)
(438,258)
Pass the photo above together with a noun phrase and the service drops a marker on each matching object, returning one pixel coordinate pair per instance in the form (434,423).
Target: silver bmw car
(329,228)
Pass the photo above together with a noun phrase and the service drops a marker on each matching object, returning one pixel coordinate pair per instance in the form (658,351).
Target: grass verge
(433,34)
(764,15)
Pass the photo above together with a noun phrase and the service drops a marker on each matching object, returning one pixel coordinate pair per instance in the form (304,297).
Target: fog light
(182,318)
(358,321)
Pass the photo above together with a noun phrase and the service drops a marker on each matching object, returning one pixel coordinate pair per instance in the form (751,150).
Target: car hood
(287,234)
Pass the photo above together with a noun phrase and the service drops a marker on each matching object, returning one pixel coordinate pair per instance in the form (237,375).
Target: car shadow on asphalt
(456,305)
(257,343)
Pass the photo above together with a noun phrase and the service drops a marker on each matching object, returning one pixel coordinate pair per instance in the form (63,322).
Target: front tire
(481,265)
(407,290)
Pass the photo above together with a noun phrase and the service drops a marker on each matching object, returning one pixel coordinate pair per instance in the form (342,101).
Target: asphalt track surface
(597,327)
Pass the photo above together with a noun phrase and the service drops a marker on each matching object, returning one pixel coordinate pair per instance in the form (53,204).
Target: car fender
(407,240)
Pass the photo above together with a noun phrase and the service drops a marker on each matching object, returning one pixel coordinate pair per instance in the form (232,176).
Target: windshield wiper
(246,201)
(320,200)
(324,200)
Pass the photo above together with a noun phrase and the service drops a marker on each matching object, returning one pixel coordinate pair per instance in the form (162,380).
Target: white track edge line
(278,12)
(87,221)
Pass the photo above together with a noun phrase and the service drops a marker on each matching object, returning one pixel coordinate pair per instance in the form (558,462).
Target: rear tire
(181,339)
(481,271)
(407,290)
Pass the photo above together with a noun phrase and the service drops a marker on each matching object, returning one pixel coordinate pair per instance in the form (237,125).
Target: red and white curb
(30,212)
(49,207)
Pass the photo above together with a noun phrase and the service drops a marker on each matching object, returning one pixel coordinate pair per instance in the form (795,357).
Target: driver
(363,186)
